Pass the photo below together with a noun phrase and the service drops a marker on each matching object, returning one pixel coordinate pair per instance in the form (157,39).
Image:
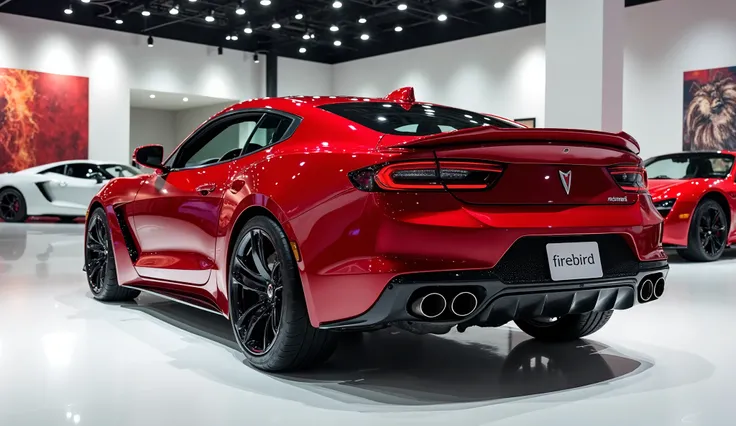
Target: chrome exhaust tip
(646,290)
(429,306)
(464,304)
(658,288)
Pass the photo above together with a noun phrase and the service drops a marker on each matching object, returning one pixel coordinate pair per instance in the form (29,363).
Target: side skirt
(188,300)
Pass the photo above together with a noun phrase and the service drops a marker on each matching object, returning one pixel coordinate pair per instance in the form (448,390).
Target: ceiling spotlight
(302,50)
(402,6)
(68,10)
(192,1)
(442,17)
(185,99)
(234,37)
(255,58)
(362,20)
(174,10)
(119,21)
(152,96)
(299,16)
(311,36)
(85,1)
(248,29)
(240,11)
(150,41)
(498,4)
(334,28)
(337,4)
(364,36)
(337,43)
(265,2)
(210,17)
(398,29)
(275,25)
(228,37)
(145,12)
(219,50)
(306,36)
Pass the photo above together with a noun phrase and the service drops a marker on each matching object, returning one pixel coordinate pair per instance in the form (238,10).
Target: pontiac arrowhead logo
(566,179)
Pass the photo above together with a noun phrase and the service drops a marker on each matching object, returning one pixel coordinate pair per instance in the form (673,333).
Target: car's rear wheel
(708,234)
(12,205)
(267,307)
(99,262)
(565,328)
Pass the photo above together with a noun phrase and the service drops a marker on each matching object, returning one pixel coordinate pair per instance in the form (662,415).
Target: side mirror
(151,156)
(97,176)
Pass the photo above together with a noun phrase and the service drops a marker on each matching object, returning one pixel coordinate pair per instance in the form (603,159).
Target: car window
(81,170)
(119,170)
(270,130)
(58,170)
(222,142)
(417,119)
(690,166)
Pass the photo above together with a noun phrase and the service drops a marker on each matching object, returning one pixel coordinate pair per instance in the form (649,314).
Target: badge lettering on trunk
(566,179)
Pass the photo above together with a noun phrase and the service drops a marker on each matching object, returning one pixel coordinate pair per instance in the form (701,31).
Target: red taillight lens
(630,178)
(427,176)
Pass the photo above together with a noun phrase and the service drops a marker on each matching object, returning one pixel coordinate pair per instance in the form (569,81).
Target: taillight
(427,176)
(630,178)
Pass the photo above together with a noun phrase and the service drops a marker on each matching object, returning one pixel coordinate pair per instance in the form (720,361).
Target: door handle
(63,184)
(206,188)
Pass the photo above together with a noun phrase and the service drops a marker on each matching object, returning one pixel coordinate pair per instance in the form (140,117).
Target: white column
(585,64)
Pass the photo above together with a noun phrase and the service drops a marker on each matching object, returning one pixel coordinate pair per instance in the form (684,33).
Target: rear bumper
(500,303)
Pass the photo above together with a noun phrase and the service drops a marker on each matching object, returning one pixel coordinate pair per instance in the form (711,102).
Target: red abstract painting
(43,118)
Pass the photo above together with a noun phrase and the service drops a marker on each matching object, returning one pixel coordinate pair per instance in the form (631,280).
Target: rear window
(419,120)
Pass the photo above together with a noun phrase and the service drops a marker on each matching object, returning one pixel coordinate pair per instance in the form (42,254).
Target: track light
(210,17)
(150,41)
(337,4)
(311,36)
(234,37)
(145,12)
(248,29)
(255,58)
(498,4)
(364,37)
(240,10)
(337,43)
(192,1)
(306,36)
(228,37)
(275,25)
(362,20)
(299,16)
(442,17)
(219,50)
(119,21)
(302,50)
(398,29)
(334,28)
(265,2)
(402,6)
(69,10)
(85,1)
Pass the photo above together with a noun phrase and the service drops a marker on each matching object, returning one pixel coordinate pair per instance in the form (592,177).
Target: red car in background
(696,194)
(299,218)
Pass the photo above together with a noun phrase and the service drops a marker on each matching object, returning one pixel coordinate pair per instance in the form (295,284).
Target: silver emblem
(566,179)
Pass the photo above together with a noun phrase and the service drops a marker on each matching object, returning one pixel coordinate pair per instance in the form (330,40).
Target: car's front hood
(663,189)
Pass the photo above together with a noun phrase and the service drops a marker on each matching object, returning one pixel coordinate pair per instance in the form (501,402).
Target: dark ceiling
(419,21)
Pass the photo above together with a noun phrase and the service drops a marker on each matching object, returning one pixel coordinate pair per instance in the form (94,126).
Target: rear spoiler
(490,134)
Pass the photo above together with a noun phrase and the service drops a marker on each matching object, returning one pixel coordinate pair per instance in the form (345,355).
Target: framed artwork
(528,122)
(43,118)
(709,110)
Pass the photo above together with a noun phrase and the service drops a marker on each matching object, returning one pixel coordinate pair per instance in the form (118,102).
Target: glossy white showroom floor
(66,359)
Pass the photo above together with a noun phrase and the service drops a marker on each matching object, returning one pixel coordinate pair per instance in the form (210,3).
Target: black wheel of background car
(708,233)
(99,262)
(565,328)
(12,205)
(268,312)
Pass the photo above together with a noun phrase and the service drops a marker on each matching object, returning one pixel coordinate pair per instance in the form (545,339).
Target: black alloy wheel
(12,205)
(96,253)
(708,234)
(257,292)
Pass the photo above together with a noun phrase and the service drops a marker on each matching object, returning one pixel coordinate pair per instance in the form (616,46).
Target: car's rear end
(480,225)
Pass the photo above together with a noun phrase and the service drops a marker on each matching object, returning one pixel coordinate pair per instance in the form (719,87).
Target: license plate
(574,261)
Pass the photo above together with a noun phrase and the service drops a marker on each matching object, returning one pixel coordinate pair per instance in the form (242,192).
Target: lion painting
(710,118)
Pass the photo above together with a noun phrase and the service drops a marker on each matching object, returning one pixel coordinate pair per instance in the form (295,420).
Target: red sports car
(299,218)
(696,194)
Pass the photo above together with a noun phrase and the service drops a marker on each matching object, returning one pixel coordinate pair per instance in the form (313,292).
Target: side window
(224,141)
(270,130)
(58,170)
(81,170)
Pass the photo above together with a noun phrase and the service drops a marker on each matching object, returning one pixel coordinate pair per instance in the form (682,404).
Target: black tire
(706,247)
(565,329)
(99,261)
(12,205)
(295,344)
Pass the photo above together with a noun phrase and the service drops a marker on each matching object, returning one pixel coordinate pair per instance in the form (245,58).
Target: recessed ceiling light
(337,4)
(275,25)
(210,17)
(442,17)
(152,96)
(150,41)
(337,43)
(240,10)
(362,20)
(118,21)
(302,50)
(334,28)
(185,99)
(265,2)
(234,37)
(145,12)
(311,36)
(402,6)
(228,37)
(306,36)
(192,1)
(299,16)
(398,29)
(498,4)
(174,10)
(85,1)
(68,10)
(364,36)
(248,29)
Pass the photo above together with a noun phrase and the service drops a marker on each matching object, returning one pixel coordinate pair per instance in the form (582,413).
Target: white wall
(151,126)
(294,73)
(500,73)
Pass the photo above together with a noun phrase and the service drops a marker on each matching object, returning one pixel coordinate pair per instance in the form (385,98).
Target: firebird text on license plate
(574,261)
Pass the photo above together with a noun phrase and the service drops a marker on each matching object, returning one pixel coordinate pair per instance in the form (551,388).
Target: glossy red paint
(688,193)
(352,243)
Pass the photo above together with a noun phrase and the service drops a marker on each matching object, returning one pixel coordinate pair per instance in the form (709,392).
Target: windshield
(417,120)
(690,166)
(119,170)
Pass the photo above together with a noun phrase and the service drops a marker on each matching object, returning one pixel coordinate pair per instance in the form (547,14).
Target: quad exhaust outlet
(658,288)
(646,290)
(430,306)
(464,304)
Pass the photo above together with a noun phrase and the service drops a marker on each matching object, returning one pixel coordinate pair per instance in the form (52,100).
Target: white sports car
(62,189)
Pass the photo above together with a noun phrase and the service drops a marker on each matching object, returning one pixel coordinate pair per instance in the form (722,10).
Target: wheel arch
(722,201)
